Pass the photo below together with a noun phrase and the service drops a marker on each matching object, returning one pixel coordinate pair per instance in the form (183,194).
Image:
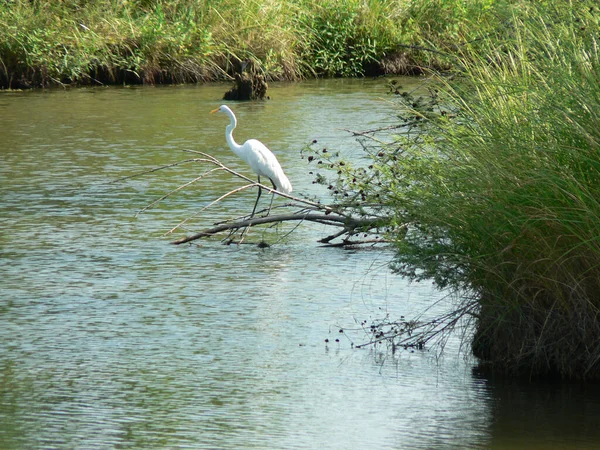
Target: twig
(350,243)
(417,334)
(235,191)
(367,134)
(138,174)
(176,190)
(327,239)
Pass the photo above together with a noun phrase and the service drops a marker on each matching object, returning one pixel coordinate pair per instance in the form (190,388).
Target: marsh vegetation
(495,173)
(44,43)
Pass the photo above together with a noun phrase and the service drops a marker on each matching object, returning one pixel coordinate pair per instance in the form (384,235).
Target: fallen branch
(348,224)
(305,210)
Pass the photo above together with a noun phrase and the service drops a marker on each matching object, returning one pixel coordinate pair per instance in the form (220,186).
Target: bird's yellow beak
(214,111)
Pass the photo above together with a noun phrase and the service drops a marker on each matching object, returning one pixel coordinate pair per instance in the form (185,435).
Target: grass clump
(493,178)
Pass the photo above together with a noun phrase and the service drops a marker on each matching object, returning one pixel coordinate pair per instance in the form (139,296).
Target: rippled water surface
(110,337)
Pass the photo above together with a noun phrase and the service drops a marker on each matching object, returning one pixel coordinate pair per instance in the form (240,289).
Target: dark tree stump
(247,86)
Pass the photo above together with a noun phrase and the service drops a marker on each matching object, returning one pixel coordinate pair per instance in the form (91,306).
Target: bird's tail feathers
(284,185)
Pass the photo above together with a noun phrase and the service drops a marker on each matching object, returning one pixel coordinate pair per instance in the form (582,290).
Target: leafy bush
(338,45)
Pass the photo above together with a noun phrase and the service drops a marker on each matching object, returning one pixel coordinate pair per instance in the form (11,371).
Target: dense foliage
(44,42)
(495,176)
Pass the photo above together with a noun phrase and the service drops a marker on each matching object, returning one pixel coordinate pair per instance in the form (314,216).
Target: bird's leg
(245,232)
(272,197)
(271,204)
(243,235)
(247,228)
(257,197)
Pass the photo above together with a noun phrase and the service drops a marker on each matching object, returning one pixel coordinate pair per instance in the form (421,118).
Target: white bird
(260,159)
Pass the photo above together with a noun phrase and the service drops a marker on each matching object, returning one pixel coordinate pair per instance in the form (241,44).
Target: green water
(111,338)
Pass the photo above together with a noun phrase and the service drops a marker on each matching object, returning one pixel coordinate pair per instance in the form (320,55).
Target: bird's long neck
(229,137)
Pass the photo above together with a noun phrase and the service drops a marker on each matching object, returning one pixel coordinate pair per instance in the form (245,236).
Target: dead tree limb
(335,215)
(348,225)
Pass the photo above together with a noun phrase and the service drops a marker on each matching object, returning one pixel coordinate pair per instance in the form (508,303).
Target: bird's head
(222,108)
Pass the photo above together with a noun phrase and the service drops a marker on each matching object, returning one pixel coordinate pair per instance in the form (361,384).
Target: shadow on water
(541,414)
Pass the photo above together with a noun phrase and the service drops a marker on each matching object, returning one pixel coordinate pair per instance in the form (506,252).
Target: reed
(503,193)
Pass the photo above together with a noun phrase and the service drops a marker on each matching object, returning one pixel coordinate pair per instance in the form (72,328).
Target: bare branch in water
(303,209)
(416,334)
(235,191)
(348,224)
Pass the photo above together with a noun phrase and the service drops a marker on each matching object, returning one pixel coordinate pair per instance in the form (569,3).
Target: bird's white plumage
(256,154)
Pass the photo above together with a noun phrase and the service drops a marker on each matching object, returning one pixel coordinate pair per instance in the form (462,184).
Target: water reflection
(550,415)
(112,338)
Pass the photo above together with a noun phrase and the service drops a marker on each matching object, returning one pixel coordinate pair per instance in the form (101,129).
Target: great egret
(256,154)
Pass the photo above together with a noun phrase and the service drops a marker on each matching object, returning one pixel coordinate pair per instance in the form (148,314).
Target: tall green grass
(502,193)
(490,187)
(44,42)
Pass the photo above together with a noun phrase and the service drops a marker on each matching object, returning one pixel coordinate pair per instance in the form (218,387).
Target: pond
(111,337)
